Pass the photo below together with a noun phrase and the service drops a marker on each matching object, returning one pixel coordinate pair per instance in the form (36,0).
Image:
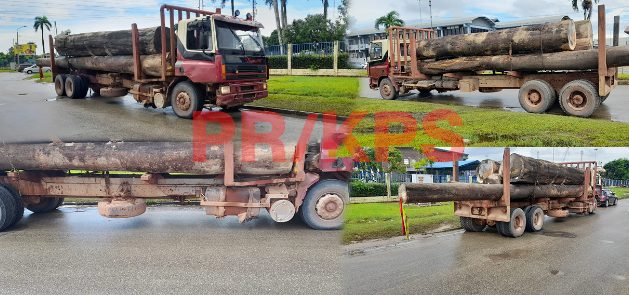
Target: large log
(151,64)
(109,43)
(550,37)
(487,172)
(153,157)
(445,192)
(535,171)
(559,61)
(585,35)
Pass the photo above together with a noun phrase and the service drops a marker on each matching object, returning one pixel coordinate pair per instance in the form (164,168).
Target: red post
(135,45)
(173,47)
(53,67)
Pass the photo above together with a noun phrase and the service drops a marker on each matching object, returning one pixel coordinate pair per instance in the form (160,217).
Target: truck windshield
(375,51)
(239,39)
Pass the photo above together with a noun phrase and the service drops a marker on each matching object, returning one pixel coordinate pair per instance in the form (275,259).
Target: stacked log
(550,37)
(151,64)
(585,36)
(535,171)
(110,43)
(150,157)
(488,171)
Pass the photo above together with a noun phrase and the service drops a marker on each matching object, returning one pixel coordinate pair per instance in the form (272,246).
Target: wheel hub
(534,97)
(330,206)
(386,89)
(518,223)
(578,100)
(183,101)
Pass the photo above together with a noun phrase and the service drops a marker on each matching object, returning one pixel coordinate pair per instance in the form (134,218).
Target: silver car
(35,69)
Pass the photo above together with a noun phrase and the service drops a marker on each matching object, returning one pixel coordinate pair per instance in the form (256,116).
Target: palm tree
(42,22)
(587,7)
(276,10)
(325,8)
(284,14)
(392,19)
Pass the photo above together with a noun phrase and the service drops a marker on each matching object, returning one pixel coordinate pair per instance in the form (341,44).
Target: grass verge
(621,192)
(47,78)
(623,76)
(481,127)
(382,220)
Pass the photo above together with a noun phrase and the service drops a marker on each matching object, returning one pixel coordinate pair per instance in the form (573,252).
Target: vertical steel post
(53,66)
(135,45)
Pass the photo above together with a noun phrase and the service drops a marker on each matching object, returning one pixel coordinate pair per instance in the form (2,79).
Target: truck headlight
(264,86)
(225,89)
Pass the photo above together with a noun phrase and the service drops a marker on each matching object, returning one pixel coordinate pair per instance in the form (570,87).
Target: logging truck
(516,194)
(548,64)
(204,59)
(39,176)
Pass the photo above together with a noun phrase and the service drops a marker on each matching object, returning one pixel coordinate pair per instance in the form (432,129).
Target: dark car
(23,66)
(607,198)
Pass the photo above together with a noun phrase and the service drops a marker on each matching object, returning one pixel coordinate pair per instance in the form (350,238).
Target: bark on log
(445,192)
(153,157)
(151,64)
(550,37)
(487,171)
(110,43)
(534,171)
(559,61)
(585,35)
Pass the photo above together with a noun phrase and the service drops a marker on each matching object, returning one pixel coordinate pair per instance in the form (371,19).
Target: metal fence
(319,48)
(378,177)
(614,182)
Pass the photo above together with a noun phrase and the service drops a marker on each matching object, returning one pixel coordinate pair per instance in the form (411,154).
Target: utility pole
(253,12)
(17,42)
(430,5)
(421,19)
(56,33)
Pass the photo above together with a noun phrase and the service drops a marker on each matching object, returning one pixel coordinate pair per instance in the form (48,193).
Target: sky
(97,15)
(601,155)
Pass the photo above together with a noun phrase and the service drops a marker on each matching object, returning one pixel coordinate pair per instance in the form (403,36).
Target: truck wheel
(325,204)
(579,98)
(534,219)
(7,208)
(514,228)
(19,204)
(606,203)
(85,87)
(387,89)
(74,86)
(186,99)
(537,96)
(45,205)
(60,85)
(472,224)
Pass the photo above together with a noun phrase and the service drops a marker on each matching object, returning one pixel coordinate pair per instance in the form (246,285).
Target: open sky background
(601,155)
(98,15)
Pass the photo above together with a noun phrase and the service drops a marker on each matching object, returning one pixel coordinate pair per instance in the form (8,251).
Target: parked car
(607,198)
(22,66)
(35,69)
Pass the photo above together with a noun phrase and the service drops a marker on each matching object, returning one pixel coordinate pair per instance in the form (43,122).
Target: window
(199,38)
(376,51)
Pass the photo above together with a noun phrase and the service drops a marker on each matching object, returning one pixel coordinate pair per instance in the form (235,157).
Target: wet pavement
(575,255)
(168,250)
(615,108)
(31,112)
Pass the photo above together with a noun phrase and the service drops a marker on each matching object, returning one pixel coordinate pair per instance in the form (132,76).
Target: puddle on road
(556,272)
(22,94)
(607,241)
(512,254)
(358,252)
(51,99)
(558,234)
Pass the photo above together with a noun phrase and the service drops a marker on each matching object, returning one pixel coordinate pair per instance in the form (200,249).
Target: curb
(289,112)
(623,82)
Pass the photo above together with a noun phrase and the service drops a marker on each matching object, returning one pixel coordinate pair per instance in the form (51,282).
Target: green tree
(313,29)
(617,169)
(390,20)
(41,23)
(587,7)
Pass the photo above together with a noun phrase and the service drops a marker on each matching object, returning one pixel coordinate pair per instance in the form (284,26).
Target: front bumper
(242,93)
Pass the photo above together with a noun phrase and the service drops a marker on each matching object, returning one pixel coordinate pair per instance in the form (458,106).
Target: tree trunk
(487,171)
(110,43)
(151,64)
(279,25)
(584,35)
(153,157)
(43,45)
(551,37)
(559,61)
(445,192)
(284,16)
(534,171)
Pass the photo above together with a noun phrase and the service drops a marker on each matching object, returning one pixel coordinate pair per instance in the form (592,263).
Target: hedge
(309,61)
(371,189)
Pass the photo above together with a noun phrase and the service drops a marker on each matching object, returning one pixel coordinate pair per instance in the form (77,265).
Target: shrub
(309,61)
(371,189)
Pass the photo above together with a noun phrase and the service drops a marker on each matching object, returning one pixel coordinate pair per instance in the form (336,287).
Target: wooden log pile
(151,64)
(109,43)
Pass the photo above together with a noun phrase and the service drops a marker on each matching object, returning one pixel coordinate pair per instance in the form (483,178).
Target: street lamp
(17,42)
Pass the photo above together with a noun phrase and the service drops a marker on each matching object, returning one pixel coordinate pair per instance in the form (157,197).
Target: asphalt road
(167,250)
(615,108)
(31,112)
(577,255)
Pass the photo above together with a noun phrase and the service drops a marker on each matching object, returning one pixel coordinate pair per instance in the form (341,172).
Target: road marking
(619,277)
(607,241)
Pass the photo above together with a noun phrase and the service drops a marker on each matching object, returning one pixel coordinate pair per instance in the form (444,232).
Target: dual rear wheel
(578,98)
(72,86)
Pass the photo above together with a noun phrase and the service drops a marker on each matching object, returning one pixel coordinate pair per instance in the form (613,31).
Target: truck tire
(74,86)
(388,90)
(537,96)
(186,98)
(60,203)
(324,205)
(60,85)
(579,98)
(534,219)
(514,228)
(7,208)
(606,203)
(19,204)
(472,224)
(45,205)
(85,87)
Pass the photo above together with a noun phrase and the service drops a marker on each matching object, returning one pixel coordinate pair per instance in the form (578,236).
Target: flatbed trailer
(394,70)
(189,79)
(315,189)
(513,217)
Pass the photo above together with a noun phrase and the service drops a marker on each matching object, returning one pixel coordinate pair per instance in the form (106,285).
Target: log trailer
(39,176)
(394,68)
(511,207)
(204,59)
